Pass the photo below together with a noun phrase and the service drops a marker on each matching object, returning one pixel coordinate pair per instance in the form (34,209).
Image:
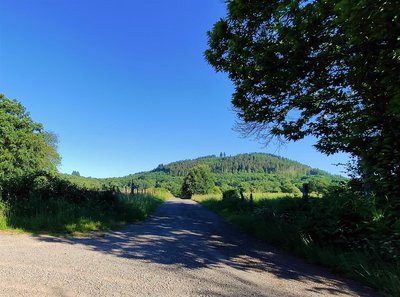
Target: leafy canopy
(24,146)
(327,68)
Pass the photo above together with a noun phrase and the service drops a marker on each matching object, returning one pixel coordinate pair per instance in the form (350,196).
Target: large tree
(24,146)
(327,68)
(199,180)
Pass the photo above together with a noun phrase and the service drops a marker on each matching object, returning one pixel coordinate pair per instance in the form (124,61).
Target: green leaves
(199,180)
(324,68)
(24,146)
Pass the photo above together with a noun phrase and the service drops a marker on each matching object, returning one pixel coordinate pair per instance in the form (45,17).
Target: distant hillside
(256,171)
(243,163)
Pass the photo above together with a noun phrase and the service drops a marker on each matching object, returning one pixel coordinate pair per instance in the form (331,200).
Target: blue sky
(124,83)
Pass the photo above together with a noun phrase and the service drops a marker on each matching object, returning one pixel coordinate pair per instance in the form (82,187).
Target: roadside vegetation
(340,231)
(34,197)
(50,204)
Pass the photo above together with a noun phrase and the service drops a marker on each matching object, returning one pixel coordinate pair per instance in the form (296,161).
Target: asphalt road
(182,250)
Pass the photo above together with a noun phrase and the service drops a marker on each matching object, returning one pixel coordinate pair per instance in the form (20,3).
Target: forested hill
(259,171)
(243,163)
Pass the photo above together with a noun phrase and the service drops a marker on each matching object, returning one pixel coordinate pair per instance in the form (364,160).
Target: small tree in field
(199,180)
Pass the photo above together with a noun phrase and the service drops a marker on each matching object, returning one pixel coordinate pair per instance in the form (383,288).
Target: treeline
(248,163)
(256,172)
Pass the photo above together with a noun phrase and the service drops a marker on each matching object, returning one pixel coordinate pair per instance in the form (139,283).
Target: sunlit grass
(256,196)
(3,218)
(200,198)
(60,216)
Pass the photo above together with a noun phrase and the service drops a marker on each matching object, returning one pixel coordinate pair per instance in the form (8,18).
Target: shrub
(231,200)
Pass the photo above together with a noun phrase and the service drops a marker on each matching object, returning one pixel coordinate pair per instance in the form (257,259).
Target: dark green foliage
(319,184)
(232,200)
(258,172)
(230,195)
(199,180)
(242,163)
(324,68)
(342,219)
(347,219)
(47,185)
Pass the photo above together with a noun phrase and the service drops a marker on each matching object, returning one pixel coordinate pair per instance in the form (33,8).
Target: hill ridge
(244,162)
(259,171)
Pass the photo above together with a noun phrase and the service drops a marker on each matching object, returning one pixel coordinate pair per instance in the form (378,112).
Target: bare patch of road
(182,250)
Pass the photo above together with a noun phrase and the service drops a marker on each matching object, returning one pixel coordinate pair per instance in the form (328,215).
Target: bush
(48,185)
(231,200)
(230,195)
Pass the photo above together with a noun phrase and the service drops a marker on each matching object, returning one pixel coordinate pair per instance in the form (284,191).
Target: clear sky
(124,83)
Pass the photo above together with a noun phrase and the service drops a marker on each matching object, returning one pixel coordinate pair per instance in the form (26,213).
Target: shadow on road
(184,234)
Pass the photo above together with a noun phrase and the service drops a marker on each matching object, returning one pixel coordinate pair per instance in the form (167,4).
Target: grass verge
(58,216)
(269,226)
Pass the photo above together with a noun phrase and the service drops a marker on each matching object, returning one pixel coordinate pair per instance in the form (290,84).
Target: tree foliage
(327,68)
(24,146)
(198,181)
(258,172)
(242,163)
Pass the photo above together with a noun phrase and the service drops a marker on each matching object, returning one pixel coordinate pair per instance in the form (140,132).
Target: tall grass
(256,196)
(3,218)
(271,219)
(62,216)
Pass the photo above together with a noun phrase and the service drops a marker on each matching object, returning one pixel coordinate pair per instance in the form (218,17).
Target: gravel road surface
(182,250)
